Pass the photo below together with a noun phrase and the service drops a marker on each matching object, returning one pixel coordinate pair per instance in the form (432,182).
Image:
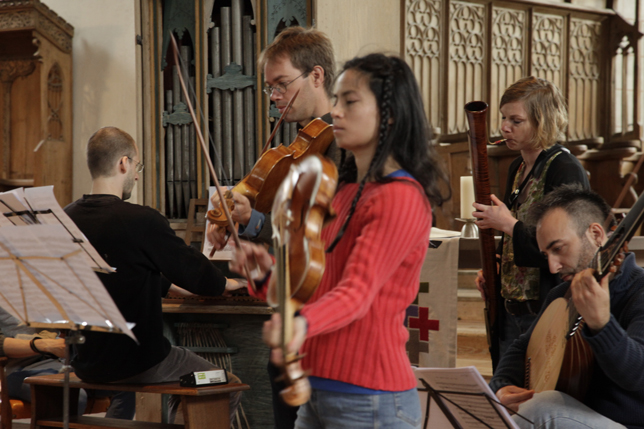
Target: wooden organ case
(36,94)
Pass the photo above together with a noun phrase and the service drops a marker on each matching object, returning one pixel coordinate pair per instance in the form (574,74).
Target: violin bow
(211,168)
(268,142)
(277,126)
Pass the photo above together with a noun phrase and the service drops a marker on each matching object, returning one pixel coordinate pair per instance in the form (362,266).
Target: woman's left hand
(497,216)
(272,333)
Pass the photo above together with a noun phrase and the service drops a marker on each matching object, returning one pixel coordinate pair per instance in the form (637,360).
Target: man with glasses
(298,59)
(148,257)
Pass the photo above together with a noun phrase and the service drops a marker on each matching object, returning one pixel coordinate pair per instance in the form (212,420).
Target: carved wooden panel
(55,103)
(508,57)
(548,48)
(584,84)
(466,71)
(35,89)
(31,14)
(483,46)
(422,51)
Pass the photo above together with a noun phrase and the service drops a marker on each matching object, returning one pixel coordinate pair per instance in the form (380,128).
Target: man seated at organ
(148,256)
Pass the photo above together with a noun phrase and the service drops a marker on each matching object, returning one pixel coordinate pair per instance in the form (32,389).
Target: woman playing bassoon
(534,118)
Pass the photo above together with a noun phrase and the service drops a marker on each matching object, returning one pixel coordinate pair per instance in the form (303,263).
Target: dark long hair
(406,138)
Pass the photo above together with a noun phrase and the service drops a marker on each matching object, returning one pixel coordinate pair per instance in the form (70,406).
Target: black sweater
(148,257)
(617,385)
(564,169)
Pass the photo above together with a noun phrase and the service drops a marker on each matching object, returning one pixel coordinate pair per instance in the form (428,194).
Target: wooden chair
(196,221)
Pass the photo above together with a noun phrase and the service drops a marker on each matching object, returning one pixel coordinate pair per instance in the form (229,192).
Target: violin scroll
(298,389)
(217,215)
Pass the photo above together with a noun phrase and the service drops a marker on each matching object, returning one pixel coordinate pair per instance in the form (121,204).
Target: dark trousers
(284,415)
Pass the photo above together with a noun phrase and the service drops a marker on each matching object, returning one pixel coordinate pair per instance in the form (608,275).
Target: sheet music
(11,203)
(4,221)
(42,198)
(466,380)
(225,254)
(50,282)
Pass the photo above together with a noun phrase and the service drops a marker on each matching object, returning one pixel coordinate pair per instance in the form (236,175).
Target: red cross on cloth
(423,323)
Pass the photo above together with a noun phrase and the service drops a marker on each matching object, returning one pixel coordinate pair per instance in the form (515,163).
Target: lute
(558,357)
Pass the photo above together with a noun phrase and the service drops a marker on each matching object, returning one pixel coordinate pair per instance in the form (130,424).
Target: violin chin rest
(298,393)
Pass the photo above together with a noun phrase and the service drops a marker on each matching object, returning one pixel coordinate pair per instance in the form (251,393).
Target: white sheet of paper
(437,233)
(14,201)
(225,254)
(50,282)
(42,198)
(4,221)
(466,380)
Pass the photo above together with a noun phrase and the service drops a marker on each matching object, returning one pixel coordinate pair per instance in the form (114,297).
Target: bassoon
(476,112)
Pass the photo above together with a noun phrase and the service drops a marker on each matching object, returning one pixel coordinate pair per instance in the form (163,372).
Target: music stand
(464,399)
(47,283)
(38,205)
(442,400)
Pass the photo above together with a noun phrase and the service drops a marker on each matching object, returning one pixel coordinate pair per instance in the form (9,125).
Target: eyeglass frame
(138,166)
(268,90)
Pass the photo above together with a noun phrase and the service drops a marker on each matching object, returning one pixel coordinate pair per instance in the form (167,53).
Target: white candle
(467,197)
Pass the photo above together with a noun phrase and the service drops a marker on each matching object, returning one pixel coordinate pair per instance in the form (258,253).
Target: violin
(260,185)
(301,205)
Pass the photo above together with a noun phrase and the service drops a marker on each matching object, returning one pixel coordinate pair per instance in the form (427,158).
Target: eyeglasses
(139,165)
(280,87)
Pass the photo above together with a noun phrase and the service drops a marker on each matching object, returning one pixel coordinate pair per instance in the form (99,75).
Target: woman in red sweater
(352,330)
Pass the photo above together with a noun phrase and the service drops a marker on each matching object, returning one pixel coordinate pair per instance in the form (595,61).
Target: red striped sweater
(355,317)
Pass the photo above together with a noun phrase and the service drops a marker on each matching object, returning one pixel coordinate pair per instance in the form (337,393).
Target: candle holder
(470,229)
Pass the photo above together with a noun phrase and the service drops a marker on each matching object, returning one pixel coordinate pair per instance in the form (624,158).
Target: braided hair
(403,133)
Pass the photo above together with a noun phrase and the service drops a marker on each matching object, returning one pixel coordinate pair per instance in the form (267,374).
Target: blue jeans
(397,410)
(553,409)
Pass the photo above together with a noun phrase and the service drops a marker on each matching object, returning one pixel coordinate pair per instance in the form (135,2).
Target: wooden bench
(203,407)
(11,408)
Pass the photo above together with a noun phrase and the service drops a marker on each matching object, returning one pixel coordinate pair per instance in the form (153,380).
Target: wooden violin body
(300,208)
(558,357)
(261,184)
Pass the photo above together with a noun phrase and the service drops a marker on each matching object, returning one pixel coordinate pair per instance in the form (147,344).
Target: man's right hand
(513,396)
(217,236)
(242,211)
